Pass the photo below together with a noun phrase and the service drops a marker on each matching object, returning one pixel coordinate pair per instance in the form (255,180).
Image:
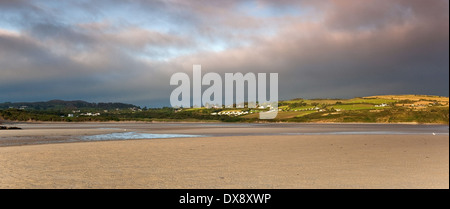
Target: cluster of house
(239,113)
(90,114)
(84,114)
(308,109)
(134,109)
(20,108)
(231,113)
(237,106)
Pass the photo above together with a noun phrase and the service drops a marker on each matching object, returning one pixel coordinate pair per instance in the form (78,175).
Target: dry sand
(321,161)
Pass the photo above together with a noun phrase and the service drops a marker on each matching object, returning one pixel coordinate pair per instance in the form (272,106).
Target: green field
(357,107)
(397,108)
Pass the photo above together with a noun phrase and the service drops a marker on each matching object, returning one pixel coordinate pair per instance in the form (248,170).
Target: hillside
(60,105)
(372,109)
(383,108)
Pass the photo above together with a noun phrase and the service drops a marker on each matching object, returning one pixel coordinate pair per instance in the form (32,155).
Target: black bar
(228,198)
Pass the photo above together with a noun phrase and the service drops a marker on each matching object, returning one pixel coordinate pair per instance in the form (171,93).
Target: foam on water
(134,135)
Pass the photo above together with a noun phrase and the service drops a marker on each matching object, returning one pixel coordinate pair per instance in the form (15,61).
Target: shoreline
(196,137)
(48,133)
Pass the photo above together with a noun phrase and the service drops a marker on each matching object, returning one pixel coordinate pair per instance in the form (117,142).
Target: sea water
(134,135)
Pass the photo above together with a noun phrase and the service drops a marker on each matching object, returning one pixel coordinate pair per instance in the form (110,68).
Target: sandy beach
(273,161)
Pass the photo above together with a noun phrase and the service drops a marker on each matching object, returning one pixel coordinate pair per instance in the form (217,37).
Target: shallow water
(134,135)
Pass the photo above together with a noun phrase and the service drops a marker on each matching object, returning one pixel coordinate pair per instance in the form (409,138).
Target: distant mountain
(64,105)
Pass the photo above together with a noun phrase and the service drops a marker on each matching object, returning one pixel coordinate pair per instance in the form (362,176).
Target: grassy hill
(383,108)
(373,109)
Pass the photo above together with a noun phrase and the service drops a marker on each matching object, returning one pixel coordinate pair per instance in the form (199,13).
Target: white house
(382,105)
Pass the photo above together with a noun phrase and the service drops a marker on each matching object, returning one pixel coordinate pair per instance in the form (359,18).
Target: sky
(127,50)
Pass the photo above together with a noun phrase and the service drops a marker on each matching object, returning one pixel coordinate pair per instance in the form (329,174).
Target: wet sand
(247,161)
(46,133)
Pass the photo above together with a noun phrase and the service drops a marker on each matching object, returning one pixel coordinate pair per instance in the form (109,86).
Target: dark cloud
(126,51)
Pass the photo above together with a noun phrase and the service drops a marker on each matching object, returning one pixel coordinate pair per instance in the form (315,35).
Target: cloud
(126,51)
